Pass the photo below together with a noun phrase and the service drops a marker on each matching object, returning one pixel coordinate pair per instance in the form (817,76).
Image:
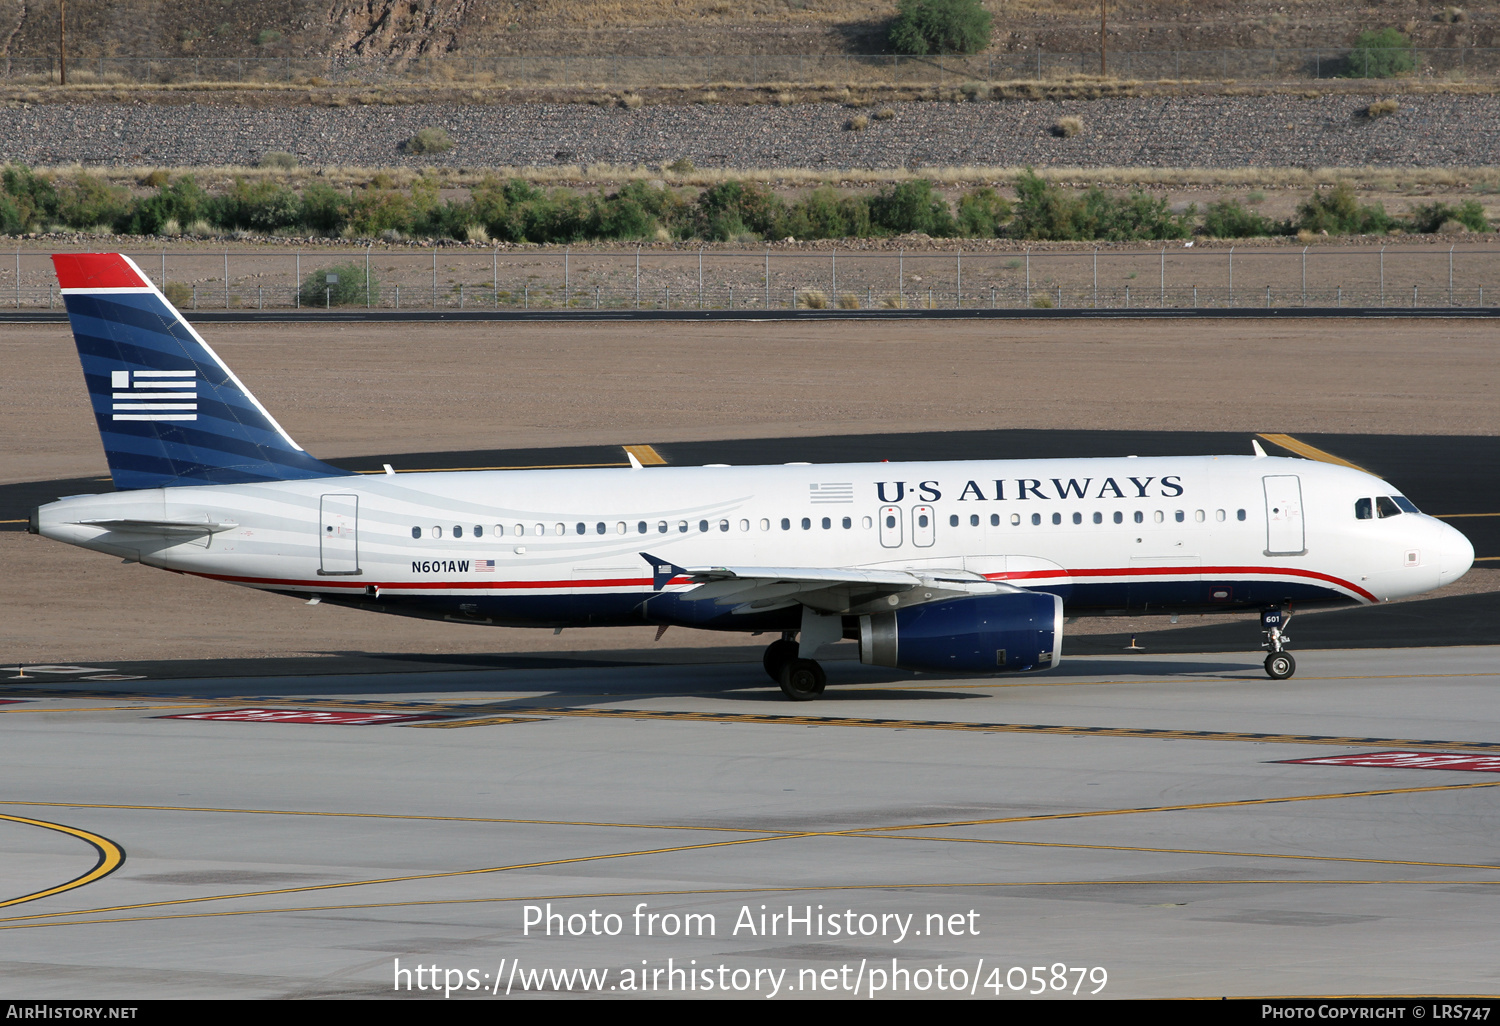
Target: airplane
(948,567)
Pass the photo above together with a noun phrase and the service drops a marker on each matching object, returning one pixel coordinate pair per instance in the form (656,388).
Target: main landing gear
(1279,664)
(801,680)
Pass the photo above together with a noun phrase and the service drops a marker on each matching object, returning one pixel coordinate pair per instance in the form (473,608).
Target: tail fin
(169,411)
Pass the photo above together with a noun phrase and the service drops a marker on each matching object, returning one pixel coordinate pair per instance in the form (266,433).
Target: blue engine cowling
(984,634)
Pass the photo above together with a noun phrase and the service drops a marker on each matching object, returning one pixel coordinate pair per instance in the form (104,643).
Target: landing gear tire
(778,654)
(1280,665)
(802,680)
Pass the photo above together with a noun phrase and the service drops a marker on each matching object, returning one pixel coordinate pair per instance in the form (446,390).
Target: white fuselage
(563,547)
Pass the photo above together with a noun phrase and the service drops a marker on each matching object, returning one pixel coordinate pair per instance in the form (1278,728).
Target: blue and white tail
(169,411)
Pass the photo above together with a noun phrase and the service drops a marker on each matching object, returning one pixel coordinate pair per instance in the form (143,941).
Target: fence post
(1127,297)
(960,302)
(1028,276)
(226,279)
(1382,276)
(567,251)
(1268,297)
(901,275)
(367,275)
(835,289)
(637,277)
(1231,276)
(434,279)
(1450,275)
(700,277)
(1163,277)
(1096,277)
(1304,275)
(297,283)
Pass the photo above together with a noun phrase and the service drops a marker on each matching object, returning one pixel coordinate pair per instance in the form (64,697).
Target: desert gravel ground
(1190,131)
(345,390)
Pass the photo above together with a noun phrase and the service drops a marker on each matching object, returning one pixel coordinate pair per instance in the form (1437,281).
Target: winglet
(635,464)
(1259,452)
(662,570)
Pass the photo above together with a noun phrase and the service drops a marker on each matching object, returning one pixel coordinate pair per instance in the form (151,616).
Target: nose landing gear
(801,680)
(1279,664)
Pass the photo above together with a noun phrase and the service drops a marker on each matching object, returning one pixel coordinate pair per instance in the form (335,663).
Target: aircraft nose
(1455,554)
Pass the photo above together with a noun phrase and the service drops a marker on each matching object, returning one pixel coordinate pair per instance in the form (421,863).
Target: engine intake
(983,634)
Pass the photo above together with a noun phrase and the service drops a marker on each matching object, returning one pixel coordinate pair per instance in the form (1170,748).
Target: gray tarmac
(1132,818)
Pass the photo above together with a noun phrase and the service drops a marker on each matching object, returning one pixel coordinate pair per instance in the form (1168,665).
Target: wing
(830,590)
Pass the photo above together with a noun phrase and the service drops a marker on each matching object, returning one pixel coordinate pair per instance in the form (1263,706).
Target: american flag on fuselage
(484,566)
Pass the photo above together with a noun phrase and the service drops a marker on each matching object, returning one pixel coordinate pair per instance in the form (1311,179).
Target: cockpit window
(1404,503)
(1364,509)
(1385,507)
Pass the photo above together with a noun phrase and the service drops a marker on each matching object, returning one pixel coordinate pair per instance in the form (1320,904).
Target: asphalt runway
(1143,827)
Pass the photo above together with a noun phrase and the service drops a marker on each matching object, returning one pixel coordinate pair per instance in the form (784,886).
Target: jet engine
(1008,633)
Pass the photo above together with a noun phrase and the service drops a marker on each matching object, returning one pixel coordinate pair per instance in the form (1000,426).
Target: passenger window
(867,523)
(1140,517)
(416,532)
(890,521)
(1119,517)
(1239,514)
(953,520)
(1036,520)
(1015,519)
(499,530)
(520,530)
(661,527)
(479,530)
(1179,516)
(640,528)
(1158,516)
(827,523)
(973,519)
(600,528)
(458,532)
(1098,518)
(682,527)
(1057,518)
(744,525)
(994,519)
(806,524)
(1384,507)
(922,520)
(437,532)
(582,528)
(1219,515)
(620,527)
(1077,518)
(1199,515)
(723,525)
(559,529)
(702,526)
(786,524)
(848,523)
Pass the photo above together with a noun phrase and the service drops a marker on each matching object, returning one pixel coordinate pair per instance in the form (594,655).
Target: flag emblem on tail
(155,394)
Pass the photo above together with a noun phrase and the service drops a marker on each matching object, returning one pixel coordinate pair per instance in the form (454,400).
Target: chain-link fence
(776,70)
(470,279)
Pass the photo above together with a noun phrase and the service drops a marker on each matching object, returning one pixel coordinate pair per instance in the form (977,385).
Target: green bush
(324,209)
(348,290)
(262,206)
(731,208)
(1432,216)
(1227,219)
(982,213)
(824,214)
(427,140)
(912,207)
(88,201)
(939,26)
(1044,211)
(1382,54)
(1339,212)
(278,159)
(27,201)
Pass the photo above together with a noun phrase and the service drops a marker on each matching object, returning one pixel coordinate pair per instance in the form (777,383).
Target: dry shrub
(812,299)
(1042,302)
(894,302)
(885,114)
(1068,127)
(784,99)
(630,101)
(858,123)
(1380,108)
(682,166)
(848,301)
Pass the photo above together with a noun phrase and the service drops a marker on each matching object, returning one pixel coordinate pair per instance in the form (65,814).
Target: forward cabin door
(338,536)
(890,526)
(1285,533)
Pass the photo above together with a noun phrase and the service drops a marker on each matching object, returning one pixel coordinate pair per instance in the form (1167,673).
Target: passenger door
(1285,533)
(338,536)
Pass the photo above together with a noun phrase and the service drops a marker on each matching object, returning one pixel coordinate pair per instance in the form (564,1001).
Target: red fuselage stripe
(1038,576)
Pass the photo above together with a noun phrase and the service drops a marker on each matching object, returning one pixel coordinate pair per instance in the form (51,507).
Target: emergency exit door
(1285,532)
